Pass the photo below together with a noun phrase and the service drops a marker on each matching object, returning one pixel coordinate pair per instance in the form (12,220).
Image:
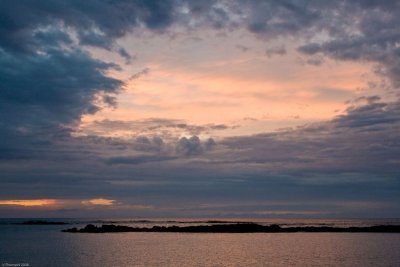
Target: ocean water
(46,245)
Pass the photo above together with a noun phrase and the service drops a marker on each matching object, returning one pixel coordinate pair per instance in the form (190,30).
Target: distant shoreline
(234,228)
(40,222)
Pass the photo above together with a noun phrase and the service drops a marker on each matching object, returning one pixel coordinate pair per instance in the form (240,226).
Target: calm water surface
(45,245)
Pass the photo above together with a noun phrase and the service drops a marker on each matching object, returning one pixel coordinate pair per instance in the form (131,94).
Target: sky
(200,109)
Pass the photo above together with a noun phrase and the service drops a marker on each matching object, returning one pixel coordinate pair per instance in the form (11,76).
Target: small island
(234,228)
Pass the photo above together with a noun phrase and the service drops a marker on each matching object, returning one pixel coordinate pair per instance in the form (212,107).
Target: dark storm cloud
(41,96)
(95,21)
(51,89)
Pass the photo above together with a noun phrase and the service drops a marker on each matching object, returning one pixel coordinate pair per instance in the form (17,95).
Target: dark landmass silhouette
(169,221)
(235,228)
(41,222)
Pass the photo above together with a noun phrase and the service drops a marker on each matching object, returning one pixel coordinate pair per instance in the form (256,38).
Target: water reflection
(47,246)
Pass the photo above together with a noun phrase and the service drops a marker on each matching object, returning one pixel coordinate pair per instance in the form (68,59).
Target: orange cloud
(29,202)
(99,201)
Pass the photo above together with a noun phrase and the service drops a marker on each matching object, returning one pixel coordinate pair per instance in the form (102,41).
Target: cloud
(368,32)
(193,145)
(164,128)
(28,202)
(98,202)
(278,50)
(271,18)
(315,61)
(43,96)
(348,143)
(95,21)
(242,48)
(139,74)
(156,150)
(133,160)
(371,115)
(51,89)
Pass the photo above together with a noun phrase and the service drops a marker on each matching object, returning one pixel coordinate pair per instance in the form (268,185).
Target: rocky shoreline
(234,228)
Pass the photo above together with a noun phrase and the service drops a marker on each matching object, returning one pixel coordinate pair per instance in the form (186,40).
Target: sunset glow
(99,201)
(220,108)
(199,133)
(29,202)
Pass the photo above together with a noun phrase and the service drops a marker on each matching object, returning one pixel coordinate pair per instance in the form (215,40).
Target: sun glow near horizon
(29,202)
